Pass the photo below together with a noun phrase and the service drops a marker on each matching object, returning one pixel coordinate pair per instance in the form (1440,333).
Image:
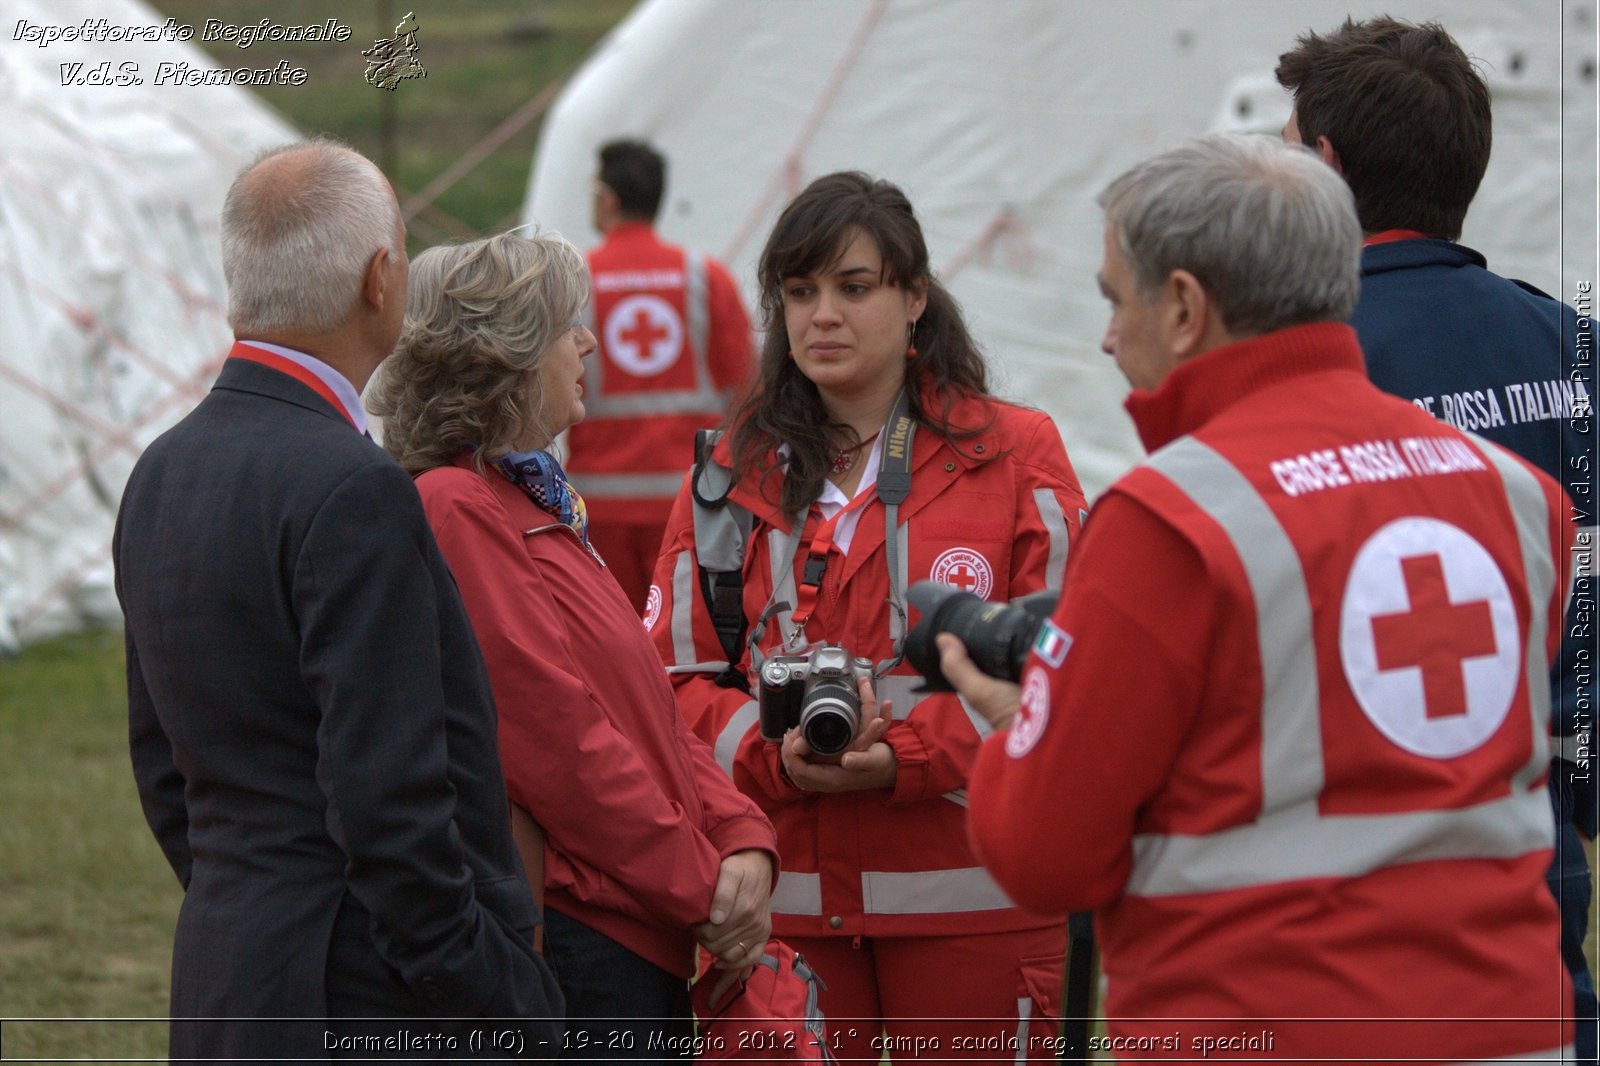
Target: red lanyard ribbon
(293,369)
(818,552)
(891,489)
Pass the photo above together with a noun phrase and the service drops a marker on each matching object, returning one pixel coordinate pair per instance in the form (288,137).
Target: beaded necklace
(842,460)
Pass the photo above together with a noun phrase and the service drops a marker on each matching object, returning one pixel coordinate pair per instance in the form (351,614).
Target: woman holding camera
(868,456)
(649,848)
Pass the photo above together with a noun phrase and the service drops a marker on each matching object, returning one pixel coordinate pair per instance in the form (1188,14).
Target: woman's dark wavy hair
(784,407)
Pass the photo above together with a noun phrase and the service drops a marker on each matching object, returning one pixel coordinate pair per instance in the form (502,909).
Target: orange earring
(911,340)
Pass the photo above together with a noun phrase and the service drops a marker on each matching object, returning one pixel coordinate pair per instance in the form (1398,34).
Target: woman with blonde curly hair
(649,849)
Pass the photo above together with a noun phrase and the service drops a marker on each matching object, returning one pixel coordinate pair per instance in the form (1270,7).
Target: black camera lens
(828,732)
(997,635)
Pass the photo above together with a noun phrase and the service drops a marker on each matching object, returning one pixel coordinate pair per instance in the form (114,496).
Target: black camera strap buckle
(816,567)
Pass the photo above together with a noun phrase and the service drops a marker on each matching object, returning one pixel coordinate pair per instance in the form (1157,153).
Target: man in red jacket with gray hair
(1287,731)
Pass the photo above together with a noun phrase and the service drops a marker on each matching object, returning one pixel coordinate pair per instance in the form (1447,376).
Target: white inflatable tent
(1002,119)
(112,306)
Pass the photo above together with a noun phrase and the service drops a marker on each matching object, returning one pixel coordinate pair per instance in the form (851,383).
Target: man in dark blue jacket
(1399,110)
(311,725)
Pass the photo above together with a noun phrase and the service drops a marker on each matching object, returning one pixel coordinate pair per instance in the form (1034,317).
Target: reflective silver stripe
(683,574)
(782,582)
(1292,840)
(958,797)
(697,309)
(897,687)
(635,404)
(1020,1041)
(1298,844)
(931,892)
(980,724)
(1291,738)
(927,892)
(1570,749)
(1055,524)
(797,894)
(698,668)
(727,746)
(615,486)
(1529,510)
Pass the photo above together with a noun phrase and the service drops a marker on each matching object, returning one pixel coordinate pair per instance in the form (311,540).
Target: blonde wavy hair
(479,319)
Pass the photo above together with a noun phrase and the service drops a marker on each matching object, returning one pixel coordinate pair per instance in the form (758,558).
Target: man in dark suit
(311,723)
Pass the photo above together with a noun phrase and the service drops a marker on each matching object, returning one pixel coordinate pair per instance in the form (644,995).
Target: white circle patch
(652,607)
(965,569)
(644,335)
(1429,638)
(1033,713)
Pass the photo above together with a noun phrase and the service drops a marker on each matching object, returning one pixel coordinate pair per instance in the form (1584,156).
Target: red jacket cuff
(911,764)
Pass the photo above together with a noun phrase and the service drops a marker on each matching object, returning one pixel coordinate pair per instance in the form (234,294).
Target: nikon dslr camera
(997,635)
(817,692)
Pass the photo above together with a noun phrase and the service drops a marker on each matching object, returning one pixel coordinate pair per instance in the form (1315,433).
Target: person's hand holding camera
(991,697)
(867,763)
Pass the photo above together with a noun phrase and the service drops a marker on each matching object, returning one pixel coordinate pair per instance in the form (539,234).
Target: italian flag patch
(1051,644)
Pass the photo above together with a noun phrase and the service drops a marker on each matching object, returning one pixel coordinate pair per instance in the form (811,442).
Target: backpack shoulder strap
(721,538)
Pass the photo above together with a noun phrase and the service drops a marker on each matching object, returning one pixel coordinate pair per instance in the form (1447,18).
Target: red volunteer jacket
(996,513)
(1291,736)
(674,344)
(638,816)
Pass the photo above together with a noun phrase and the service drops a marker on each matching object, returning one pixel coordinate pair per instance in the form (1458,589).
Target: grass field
(87,903)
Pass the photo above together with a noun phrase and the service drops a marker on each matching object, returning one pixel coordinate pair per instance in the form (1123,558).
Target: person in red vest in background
(674,346)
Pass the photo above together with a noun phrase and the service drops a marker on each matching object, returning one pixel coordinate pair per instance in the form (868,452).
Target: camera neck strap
(892,488)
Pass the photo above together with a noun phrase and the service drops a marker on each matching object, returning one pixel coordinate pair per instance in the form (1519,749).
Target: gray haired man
(1286,731)
(312,730)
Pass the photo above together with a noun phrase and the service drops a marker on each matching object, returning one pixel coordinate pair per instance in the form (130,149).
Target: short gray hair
(480,319)
(1266,227)
(297,234)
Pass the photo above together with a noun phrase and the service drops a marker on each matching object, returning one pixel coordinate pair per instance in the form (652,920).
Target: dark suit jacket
(313,734)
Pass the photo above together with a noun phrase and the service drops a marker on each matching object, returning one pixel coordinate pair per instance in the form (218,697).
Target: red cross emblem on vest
(1435,635)
(643,334)
(1429,638)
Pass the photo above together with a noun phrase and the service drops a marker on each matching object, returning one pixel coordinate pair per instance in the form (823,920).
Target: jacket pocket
(508,897)
(1039,983)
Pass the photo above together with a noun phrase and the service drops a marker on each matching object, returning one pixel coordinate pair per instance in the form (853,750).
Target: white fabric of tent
(112,305)
(1003,120)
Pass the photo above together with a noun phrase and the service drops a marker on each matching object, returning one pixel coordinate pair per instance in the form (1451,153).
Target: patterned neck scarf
(541,477)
